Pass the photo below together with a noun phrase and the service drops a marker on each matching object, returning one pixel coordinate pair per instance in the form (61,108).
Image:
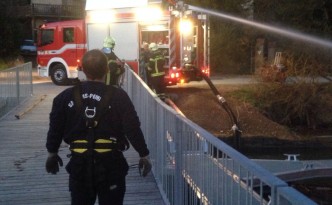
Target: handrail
(15,85)
(191,166)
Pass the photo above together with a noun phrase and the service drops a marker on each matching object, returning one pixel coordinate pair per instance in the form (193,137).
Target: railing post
(178,178)
(17,85)
(30,78)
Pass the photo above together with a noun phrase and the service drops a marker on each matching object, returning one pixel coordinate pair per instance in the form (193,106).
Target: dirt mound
(200,105)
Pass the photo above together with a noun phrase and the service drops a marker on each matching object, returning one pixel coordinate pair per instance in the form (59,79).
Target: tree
(309,16)
(232,44)
(230,47)
(10,32)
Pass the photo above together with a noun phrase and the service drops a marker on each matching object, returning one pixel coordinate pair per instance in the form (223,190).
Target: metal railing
(15,86)
(191,166)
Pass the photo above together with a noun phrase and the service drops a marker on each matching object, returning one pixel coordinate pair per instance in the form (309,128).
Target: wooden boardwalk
(23,179)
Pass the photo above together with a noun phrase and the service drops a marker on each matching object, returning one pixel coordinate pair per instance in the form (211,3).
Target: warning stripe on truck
(62,49)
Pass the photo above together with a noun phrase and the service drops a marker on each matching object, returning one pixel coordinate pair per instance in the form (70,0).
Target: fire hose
(223,103)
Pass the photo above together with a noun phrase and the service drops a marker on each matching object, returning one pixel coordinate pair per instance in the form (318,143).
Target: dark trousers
(106,180)
(157,84)
(108,193)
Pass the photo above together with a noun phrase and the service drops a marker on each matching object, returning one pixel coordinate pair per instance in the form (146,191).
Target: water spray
(292,34)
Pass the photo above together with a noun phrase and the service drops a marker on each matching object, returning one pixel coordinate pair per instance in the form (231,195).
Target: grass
(3,65)
(248,94)
(9,62)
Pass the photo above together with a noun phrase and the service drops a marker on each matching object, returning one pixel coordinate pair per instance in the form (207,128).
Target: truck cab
(60,47)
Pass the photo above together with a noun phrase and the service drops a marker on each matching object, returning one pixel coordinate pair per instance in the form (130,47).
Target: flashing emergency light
(175,75)
(185,26)
(206,71)
(148,14)
(109,4)
(101,16)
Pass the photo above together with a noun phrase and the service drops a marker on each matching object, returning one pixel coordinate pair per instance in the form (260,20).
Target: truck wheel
(59,75)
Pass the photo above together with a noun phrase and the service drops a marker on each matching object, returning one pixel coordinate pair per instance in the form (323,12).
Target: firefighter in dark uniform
(156,70)
(116,68)
(97,136)
(143,61)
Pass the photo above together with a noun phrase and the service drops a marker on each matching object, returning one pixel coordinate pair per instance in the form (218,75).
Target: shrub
(301,104)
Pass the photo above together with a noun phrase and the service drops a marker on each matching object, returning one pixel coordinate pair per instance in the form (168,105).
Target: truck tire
(59,75)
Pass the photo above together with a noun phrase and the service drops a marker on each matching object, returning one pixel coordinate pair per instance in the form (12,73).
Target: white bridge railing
(15,85)
(192,167)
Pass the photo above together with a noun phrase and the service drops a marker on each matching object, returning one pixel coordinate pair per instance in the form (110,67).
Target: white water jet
(284,32)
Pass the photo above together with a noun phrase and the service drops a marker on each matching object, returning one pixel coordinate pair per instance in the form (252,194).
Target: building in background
(32,13)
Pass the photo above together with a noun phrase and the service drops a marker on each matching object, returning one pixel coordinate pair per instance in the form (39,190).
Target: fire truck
(182,34)
(60,48)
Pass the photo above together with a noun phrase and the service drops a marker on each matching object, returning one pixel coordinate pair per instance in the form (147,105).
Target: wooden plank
(23,179)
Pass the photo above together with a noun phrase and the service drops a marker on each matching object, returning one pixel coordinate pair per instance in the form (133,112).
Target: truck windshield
(47,37)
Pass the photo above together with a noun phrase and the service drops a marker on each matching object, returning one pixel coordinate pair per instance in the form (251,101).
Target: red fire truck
(182,34)
(60,47)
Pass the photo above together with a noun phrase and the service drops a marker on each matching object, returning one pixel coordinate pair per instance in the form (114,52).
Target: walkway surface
(23,179)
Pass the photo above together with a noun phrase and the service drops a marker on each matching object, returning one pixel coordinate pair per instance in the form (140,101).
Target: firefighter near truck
(180,33)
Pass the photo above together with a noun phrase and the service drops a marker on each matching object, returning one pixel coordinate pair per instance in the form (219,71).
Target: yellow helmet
(109,44)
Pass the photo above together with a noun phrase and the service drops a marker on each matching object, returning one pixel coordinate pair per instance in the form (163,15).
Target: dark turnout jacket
(119,121)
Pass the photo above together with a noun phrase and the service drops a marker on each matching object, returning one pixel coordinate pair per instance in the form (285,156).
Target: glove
(144,166)
(52,163)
